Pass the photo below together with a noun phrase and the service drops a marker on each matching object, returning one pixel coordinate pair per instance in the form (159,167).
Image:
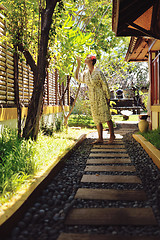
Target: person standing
(99,95)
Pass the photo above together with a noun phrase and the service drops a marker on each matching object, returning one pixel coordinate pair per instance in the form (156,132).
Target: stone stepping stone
(116,141)
(108,160)
(118,136)
(92,236)
(111,194)
(108,155)
(108,150)
(110,168)
(109,146)
(110,179)
(111,216)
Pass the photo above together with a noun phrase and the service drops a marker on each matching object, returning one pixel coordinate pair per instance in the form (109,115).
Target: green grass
(86,121)
(76,120)
(120,118)
(153,136)
(21,159)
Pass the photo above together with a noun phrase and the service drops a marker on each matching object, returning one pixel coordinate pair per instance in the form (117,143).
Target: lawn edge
(17,203)
(152,151)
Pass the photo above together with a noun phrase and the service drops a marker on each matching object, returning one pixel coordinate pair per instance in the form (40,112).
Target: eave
(136,18)
(138,49)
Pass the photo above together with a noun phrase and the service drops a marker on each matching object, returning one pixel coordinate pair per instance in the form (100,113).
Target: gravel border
(44,220)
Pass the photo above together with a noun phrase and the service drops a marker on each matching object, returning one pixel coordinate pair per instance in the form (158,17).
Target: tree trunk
(16,90)
(35,107)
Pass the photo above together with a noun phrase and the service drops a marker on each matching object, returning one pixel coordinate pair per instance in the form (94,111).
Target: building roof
(136,18)
(138,49)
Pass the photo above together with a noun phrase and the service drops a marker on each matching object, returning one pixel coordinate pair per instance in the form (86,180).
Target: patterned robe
(98,94)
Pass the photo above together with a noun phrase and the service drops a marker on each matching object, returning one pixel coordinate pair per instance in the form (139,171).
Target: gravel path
(44,220)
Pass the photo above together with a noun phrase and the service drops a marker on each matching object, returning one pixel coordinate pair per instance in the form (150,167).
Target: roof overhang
(138,49)
(136,18)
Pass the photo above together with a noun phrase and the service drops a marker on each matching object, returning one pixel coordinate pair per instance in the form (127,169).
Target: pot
(143,125)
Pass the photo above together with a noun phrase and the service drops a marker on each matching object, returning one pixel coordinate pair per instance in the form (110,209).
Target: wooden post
(151,77)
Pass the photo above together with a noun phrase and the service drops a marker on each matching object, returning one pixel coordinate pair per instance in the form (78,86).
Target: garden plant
(21,160)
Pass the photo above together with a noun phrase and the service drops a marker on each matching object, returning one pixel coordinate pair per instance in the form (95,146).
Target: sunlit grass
(153,136)
(55,145)
(21,160)
(133,118)
(87,121)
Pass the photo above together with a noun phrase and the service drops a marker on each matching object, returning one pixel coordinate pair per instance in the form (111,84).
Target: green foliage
(153,137)
(145,99)
(49,128)
(69,41)
(23,25)
(97,18)
(16,160)
(59,123)
(82,107)
(78,28)
(122,74)
(112,110)
(21,159)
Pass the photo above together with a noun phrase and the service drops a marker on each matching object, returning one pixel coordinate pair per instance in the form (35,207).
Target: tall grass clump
(21,160)
(16,161)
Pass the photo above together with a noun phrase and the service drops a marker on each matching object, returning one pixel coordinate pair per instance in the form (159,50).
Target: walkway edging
(152,151)
(16,203)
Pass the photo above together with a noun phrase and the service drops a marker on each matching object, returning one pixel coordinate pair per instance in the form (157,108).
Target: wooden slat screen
(25,83)
(26,80)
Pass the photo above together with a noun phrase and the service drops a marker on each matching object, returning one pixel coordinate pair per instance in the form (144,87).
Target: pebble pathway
(105,192)
(106,215)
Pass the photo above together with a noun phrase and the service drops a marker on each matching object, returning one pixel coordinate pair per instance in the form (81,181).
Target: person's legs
(100,133)
(111,130)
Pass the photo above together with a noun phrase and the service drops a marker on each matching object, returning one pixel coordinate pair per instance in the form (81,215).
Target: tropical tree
(52,32)
(77,36)
(32,28)
(124,75)
(29,24)
(69,42)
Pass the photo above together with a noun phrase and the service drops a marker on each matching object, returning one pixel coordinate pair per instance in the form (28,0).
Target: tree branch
(29,58)
(74,102)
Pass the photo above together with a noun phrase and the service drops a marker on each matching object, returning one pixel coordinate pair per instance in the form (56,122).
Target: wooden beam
(144,31)
(128,13)
(155,24)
